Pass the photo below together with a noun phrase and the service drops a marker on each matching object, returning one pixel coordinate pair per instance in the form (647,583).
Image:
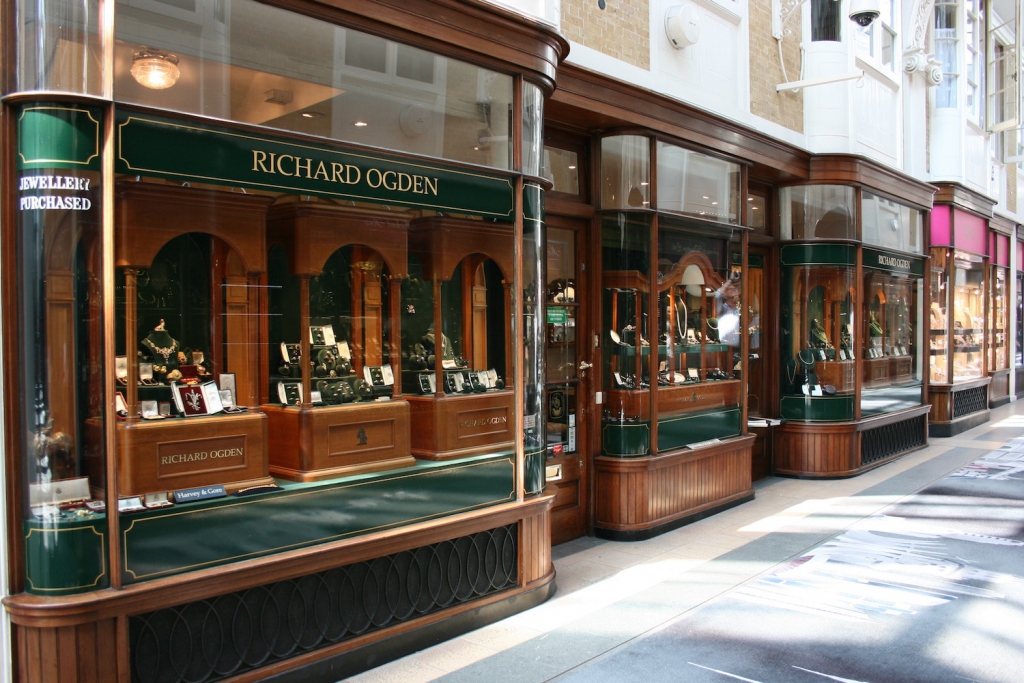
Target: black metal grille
(210,640)
(970,401)
(891,439)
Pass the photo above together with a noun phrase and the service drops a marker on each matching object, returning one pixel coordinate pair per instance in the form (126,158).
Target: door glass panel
(561,338)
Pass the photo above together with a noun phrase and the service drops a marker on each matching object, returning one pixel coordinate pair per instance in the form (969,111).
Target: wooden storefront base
(639,498)
(834,450)
(999,390)
(316,443)
(84,638)
(957,407)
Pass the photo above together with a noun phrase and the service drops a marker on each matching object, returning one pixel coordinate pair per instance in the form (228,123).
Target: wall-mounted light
(155,69)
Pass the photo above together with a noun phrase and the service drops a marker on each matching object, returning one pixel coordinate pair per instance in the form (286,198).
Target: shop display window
(689,356)
(938,336)
(968,320)
(561,329)
(820,332)
(891,377)
(1019,344)
(810,212)
(999,318)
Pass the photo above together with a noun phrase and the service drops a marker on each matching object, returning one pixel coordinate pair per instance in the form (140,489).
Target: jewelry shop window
(809,212)
(820,330)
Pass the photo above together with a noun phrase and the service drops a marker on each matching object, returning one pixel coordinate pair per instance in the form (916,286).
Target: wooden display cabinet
(160,455)
(313,442)
(448,426)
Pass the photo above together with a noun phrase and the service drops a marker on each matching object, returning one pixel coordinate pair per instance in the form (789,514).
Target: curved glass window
(58,46)
(817,212)
(697,184)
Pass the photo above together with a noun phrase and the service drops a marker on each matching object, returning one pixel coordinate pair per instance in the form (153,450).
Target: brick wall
(783,108)
(620,30)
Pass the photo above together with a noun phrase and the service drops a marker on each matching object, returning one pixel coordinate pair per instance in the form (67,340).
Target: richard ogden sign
(151,145)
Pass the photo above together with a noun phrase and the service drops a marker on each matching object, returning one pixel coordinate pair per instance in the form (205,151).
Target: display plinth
(840,374)
(450,427)
(310,443)
(181,453)
(638,498)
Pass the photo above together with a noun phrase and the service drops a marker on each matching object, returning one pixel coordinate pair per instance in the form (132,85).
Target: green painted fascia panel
(67,558)
(818,408)
(206,534)
(625,440)
(52,135)
(682,430)
(534,471)
(828,254)
(184,150)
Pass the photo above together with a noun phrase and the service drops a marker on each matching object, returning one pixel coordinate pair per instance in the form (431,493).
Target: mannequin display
(163,350)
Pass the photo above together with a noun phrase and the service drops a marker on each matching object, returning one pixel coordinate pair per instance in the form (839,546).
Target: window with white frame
(877,42)
(974,60)
(946,52)
(1003,45)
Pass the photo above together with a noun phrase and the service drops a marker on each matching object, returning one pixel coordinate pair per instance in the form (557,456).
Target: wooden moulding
(999,390)
(461,426)
(829,451)
(442,244)
(311,444)
(181,453)
(85,637)
(638,498)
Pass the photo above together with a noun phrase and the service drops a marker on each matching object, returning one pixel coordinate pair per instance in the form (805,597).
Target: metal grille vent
(210,640)
(892,439)
(970,401)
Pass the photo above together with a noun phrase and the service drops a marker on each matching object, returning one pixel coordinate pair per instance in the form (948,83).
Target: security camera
(864,12)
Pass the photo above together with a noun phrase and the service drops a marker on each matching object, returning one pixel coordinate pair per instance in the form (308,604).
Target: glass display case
(459,275)
(690,354)
(999,319)
(820,330)
(187,285)
(332,368)
(938,332)
(890,353)
(968,320)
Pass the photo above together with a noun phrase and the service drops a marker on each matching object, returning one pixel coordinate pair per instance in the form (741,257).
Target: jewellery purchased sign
(151,145)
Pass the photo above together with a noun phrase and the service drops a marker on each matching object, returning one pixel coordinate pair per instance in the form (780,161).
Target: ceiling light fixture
(360,124)
(311,115)
(155,69)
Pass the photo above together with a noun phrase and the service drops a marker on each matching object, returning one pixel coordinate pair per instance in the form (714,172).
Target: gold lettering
(299,166)
(280,169)
(321,170)
(432,186)
(259,160)
(377,175)
(384,180)
(348,174)
(273,158)
(336,171)
(404,182)
(417,185)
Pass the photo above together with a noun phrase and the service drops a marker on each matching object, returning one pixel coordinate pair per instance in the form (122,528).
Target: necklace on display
(163,351)
(791,371)
(807,364)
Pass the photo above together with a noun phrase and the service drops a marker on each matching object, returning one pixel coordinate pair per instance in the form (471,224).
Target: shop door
(568,362)
(758,384)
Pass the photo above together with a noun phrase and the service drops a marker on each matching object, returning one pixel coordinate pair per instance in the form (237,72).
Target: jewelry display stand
(368,430)
(168,454)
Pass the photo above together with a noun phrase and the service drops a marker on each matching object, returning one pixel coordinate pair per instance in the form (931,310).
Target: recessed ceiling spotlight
(311,115)
(360,124)
(572,167)
(705,197)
